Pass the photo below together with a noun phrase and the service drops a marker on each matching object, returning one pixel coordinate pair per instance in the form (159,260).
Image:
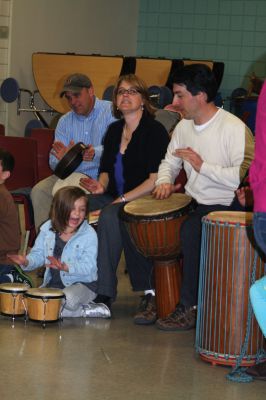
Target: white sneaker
(96,310)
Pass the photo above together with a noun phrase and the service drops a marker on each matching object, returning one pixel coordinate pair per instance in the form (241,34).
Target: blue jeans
(259,225)
(258,289)
(4,271)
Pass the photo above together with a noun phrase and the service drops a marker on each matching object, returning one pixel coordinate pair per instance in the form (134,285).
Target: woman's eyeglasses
(131,91)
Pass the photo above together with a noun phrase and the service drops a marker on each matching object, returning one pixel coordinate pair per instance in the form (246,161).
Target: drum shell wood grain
(158,236)
(11,300)
(227,257)
(168,278)
(44,308)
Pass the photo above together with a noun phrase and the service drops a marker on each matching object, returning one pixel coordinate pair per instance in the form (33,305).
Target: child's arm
(56,264)
(18,259)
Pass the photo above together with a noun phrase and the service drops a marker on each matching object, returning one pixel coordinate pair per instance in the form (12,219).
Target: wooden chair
(24,150)
(44,138)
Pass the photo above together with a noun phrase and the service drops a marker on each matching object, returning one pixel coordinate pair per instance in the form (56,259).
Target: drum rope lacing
(238,373)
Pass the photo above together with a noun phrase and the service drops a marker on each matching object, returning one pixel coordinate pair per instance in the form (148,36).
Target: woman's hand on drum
(56,264)
(165,190)
(190,156)
(59,149)
(92,185)
(18,259)
(89,153)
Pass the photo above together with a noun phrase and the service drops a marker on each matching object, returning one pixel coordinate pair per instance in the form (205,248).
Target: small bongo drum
(154,227)
(11,299)
(228,266)
(44,304)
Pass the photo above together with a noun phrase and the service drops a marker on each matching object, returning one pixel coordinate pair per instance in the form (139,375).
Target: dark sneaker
(257,371)
(101,298)
(181,319)
(20,277)
(146,313)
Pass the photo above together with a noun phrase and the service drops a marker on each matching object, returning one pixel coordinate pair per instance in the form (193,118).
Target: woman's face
(78,213)
(128,98)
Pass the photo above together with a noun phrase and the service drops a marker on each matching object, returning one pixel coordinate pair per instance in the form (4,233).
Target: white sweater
(226,147)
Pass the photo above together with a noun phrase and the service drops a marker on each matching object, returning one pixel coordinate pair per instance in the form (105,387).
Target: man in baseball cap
(86,122)
(74,83)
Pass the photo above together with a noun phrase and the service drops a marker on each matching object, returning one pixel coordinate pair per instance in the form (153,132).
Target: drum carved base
(168,275)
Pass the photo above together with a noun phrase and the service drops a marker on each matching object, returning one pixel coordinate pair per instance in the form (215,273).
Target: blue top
(88,129)
(119,178)
(79,253)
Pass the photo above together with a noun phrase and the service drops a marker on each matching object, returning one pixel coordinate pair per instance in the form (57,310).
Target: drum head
(9,90)
(71,160)
(13,287)
(230,217)
(150,207)
(72,180)
(45,293)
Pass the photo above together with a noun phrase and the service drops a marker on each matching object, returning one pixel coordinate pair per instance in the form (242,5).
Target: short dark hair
(197,78)
(62,205)
(7,160)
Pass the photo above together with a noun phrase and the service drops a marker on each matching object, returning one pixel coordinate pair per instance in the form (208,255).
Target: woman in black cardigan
(133,149)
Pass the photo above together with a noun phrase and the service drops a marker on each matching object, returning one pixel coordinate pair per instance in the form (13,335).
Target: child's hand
(18,259)
(56,264)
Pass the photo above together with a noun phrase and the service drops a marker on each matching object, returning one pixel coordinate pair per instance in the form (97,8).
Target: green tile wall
(221,30)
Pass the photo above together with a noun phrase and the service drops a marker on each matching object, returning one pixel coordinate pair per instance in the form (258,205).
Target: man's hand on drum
(92,185)
(190,156)
(89,153)
(59,149)
(18,259)
(55,263)
(164,190)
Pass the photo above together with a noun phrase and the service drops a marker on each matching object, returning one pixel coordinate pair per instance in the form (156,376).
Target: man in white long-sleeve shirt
(215,148)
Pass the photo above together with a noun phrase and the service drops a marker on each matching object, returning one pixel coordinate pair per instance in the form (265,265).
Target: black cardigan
(143,155)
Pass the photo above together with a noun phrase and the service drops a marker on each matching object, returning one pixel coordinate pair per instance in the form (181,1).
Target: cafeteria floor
(99,359)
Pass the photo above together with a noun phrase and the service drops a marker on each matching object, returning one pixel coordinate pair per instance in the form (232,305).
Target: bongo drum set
(229,265)
(36,304)
(154,227)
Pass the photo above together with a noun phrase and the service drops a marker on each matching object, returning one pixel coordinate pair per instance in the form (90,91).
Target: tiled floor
(109,360)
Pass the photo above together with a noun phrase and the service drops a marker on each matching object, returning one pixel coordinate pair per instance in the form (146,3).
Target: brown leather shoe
(257,371)
(182,319)
(146,313)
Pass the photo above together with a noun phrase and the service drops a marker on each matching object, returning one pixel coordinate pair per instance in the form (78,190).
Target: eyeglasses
(131,91)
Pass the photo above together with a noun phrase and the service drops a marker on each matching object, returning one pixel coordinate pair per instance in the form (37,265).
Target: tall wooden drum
(154,227)
(226,273)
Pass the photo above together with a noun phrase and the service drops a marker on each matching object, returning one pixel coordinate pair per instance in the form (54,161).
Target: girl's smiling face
(78,213)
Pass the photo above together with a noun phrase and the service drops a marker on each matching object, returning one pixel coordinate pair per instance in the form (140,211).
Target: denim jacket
(79,254)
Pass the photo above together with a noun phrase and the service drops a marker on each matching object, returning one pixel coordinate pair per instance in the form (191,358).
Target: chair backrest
(2,130)
(24,150)
(44,138)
